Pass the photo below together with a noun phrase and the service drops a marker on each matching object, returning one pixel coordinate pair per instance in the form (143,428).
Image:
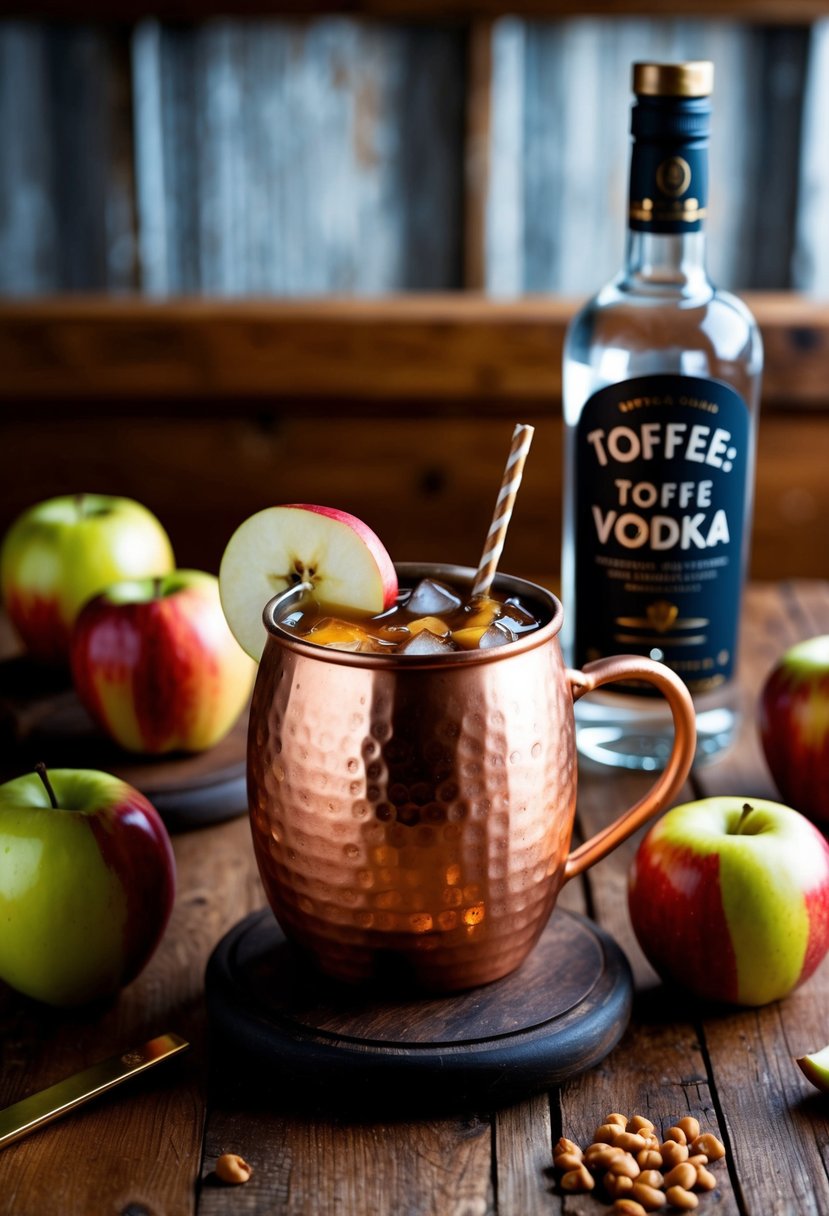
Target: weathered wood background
(417,147)
(289,157)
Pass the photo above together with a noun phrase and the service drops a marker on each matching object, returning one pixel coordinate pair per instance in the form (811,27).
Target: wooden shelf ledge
(441,352)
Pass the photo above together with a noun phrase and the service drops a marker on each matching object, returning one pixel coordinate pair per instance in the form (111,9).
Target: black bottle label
(668,188)
(669,163)
(660,485)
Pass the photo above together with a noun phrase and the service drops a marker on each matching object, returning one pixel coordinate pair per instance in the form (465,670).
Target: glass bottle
(661,393)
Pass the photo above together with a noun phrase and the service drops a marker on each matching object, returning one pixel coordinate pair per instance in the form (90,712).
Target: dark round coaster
(42,719)
(337,1046)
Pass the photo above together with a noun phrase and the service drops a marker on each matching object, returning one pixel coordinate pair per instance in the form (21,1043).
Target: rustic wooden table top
(150,1147)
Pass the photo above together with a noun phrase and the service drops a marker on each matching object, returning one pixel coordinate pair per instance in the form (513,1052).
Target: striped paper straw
(522,437)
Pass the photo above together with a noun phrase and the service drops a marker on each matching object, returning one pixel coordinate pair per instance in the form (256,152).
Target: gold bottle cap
(693,79)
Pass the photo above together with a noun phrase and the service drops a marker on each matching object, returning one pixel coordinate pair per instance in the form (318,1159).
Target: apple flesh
(815,1068)
(60,553)
(729,899)
(794,727)
(155,665)
(87,881)
(335,552)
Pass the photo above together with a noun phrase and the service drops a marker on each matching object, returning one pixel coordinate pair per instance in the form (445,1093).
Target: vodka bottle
(661,392)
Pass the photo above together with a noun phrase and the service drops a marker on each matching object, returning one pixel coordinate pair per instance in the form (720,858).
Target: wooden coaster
(334,1046)
(42,719)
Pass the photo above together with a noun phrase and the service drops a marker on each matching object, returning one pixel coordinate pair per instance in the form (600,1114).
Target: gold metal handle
(48,1104)
(670,780)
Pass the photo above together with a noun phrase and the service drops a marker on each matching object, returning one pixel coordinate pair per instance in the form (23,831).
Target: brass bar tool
(48,1104)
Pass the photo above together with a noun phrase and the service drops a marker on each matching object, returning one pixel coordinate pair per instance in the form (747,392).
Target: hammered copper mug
(411,815)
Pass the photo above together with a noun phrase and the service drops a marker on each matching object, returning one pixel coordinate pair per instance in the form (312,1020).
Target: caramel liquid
(459,625)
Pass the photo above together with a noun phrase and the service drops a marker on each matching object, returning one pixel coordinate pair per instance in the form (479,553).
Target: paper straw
(522,437)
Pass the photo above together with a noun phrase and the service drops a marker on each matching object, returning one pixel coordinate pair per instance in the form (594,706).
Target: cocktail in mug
(412,776)
(432,617)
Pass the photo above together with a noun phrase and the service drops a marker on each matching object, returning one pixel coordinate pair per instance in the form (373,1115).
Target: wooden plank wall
(399,410)
(426,485)
(298,160)
(67,200)
(289,157)
(559,179)
(231,158)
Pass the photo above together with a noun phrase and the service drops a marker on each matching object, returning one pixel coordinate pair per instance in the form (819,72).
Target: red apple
(87,880)
(335,552)
(729,898)
(794,726)
(156,666)
(60,553)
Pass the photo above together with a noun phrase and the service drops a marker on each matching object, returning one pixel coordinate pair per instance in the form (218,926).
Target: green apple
(87,880)
(156,666)
(60,553)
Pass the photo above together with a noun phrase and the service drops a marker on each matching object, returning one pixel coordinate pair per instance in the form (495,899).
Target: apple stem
(80,503)
(40,769)
(157,581)
(747,809)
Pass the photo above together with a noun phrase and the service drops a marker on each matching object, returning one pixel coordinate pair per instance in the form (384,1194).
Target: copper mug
(412,815)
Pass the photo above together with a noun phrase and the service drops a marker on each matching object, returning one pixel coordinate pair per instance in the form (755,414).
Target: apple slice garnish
(815,1068)
(337,553)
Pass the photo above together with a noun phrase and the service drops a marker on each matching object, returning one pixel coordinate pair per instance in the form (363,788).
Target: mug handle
(626,667)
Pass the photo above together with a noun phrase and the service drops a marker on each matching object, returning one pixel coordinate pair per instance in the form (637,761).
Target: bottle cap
(670,124)
(692,79)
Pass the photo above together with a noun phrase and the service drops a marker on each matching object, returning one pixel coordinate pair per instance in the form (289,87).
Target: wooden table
(150,1148)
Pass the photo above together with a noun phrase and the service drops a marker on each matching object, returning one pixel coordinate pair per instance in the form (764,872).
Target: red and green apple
(794,726)
(60,553)
(156,666)
(729,899)
(87,880)
(336,553)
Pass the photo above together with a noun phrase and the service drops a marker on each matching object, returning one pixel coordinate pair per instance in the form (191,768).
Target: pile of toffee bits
(638,1172)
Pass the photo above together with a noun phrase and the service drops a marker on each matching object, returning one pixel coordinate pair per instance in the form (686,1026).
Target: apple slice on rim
(275,548)
(815,1068)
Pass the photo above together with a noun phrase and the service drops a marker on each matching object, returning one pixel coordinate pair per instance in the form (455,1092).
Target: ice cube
(431,599)
(372,644)
(496,635)
(427,643)
(517,618)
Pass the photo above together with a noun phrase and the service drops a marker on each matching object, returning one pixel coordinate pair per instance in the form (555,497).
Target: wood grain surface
(426,484)
(77,355)
(560,149)
(401,145)
(763,1100)
(297,157)
(151,1148)
(786,12)
(366,404)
